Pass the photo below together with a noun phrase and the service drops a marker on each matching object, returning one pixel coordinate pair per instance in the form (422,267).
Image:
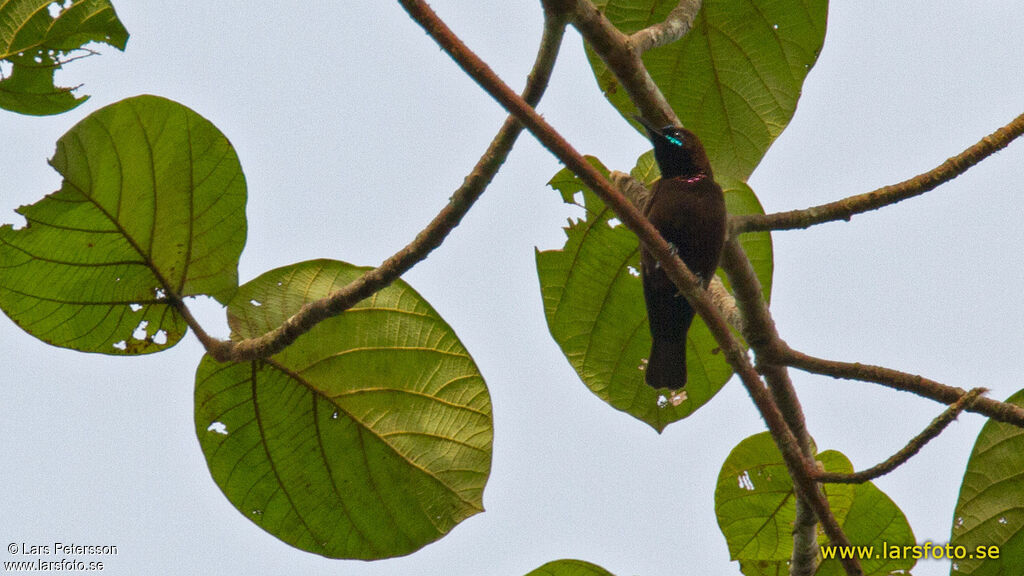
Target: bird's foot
(671,248)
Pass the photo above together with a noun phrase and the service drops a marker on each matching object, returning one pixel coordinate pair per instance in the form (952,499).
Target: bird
(687,207)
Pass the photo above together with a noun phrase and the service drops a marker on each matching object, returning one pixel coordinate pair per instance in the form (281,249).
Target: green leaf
(874,521)
(734,79)
(593,302)
(151,209)
(755,503)
(755,506)
(764,568)
(570,568)
(37,44)
(369,437)
(989,511)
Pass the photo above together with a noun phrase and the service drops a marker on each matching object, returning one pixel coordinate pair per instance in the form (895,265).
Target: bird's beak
(650,127)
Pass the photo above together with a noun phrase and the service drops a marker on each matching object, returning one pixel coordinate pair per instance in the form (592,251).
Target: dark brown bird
(688,209)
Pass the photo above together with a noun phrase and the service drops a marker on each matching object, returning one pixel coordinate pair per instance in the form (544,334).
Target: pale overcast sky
(353,129)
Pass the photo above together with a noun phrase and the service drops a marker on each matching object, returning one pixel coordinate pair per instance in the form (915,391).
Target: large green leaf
(734,79)
(152,208)
(593,302)
(755,503)
(38,44)
(876,523)
(570,568)
(990,510)
(755,506)
(369,437)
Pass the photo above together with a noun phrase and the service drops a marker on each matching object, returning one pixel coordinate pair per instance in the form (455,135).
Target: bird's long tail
(666,367)
(669,316)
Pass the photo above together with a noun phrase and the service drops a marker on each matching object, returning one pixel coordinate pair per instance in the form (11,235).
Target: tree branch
(762,336)
(1000,411)
(426,241)
(623,59)
(799,467)
(848,207)
(623,56)
(907,452)
(676,25)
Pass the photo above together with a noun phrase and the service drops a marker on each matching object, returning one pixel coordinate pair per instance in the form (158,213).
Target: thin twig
(210,343)
(848,207)
(907,452)
(426,241)
(1000,411)
(798,466)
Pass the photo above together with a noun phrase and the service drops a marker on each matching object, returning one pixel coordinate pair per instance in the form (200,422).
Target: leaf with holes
(38,37)
(570,568)
(755,507)
(369,437)
(754,501)
(151,209)
(734,79)
(989,513)
(594,305)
